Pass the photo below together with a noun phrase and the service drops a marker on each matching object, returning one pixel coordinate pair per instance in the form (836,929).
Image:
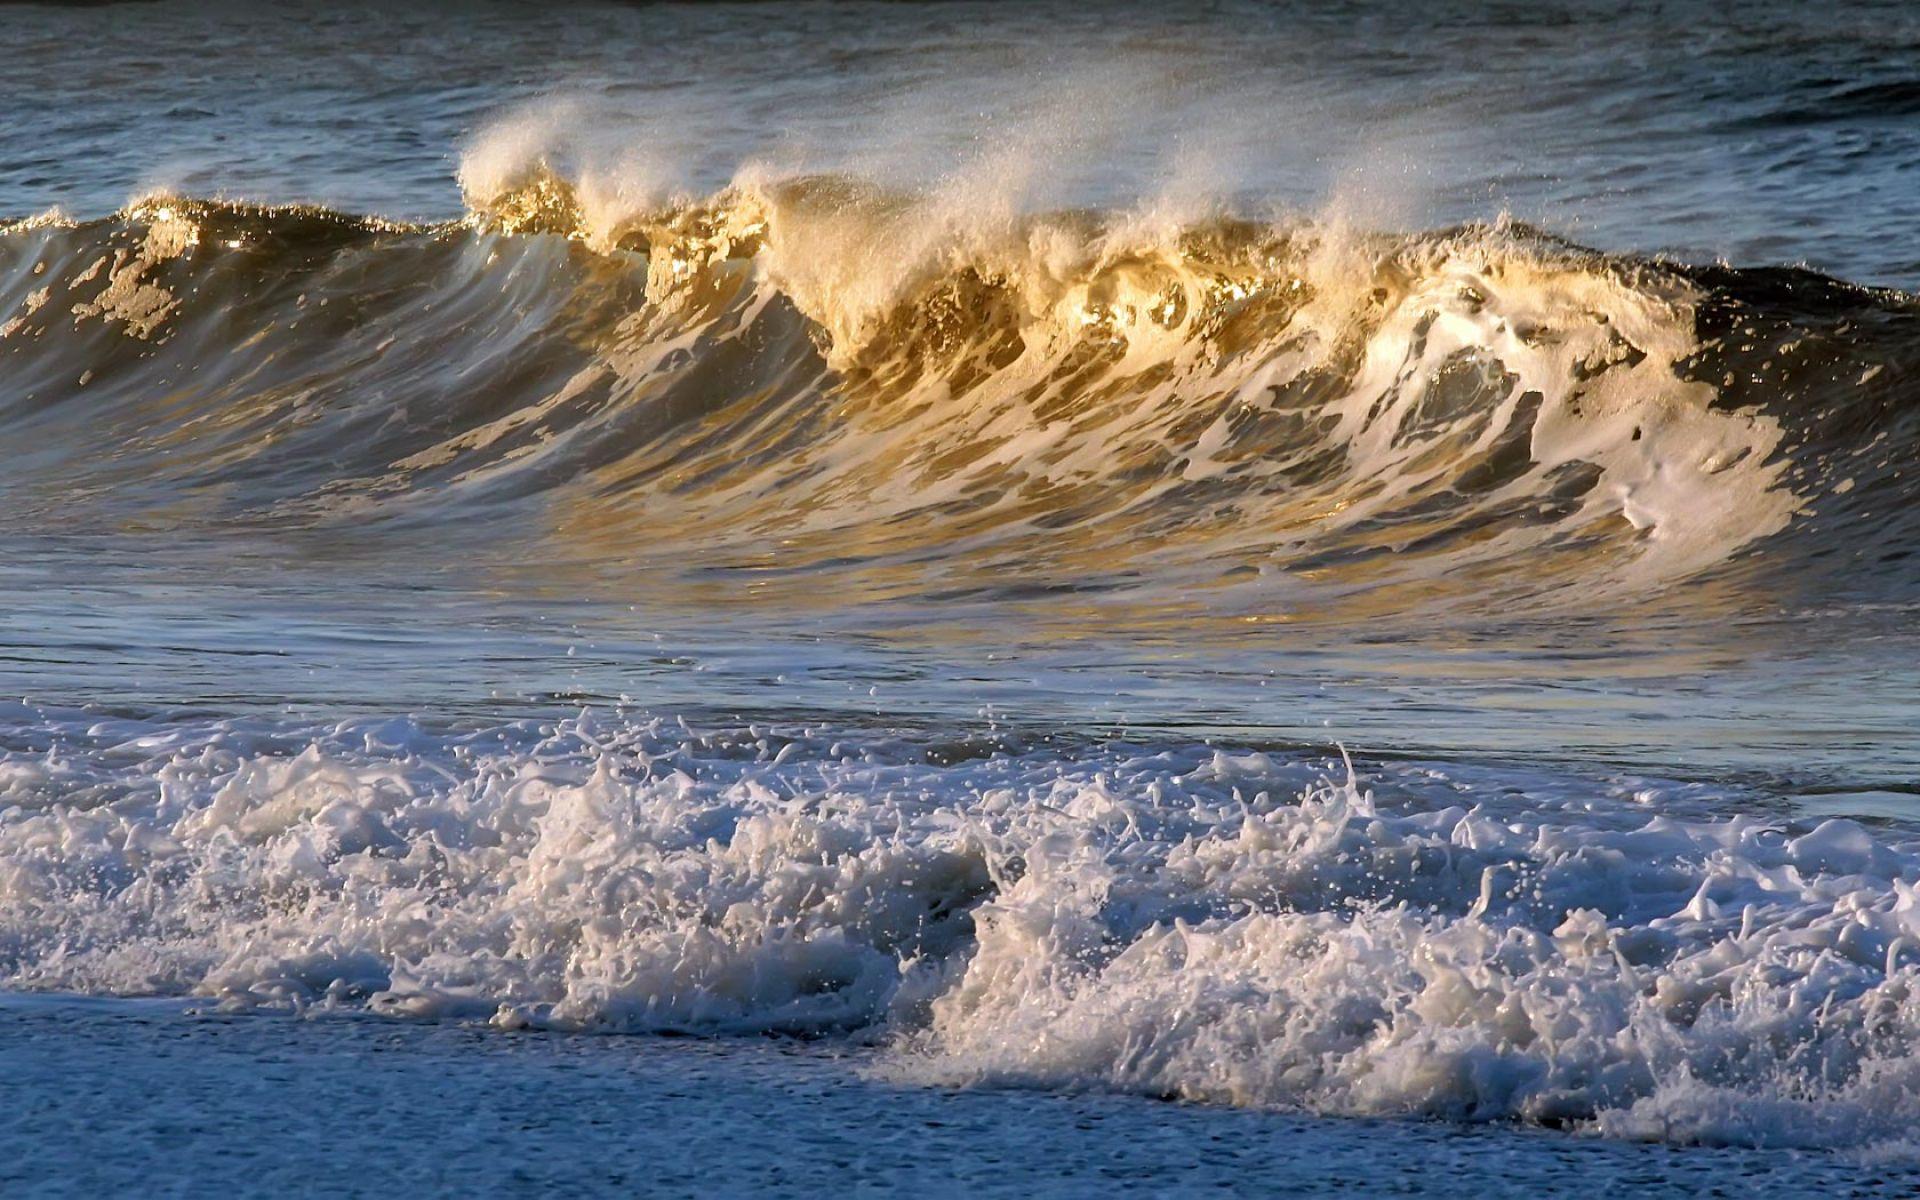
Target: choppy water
(879,524)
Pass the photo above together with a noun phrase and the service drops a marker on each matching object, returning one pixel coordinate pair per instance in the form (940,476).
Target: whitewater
(1236,595)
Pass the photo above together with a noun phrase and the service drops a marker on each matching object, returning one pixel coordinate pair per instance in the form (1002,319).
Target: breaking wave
(815,375)
(822,385)
(1242,927)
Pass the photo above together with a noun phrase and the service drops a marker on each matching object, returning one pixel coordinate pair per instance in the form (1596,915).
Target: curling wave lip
(815,376)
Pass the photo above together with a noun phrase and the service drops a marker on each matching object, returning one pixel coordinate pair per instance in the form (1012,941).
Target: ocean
(1047,599)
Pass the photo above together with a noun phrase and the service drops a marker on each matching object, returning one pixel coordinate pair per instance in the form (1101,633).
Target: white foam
(1480,944)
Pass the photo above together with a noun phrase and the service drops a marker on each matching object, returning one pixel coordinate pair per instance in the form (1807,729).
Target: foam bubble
(1235,928)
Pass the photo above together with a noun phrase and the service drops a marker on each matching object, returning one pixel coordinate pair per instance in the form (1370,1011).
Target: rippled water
(1329,559)
(1773,136)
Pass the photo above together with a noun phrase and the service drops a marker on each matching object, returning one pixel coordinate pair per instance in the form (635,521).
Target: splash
(1242,928)
(892,385)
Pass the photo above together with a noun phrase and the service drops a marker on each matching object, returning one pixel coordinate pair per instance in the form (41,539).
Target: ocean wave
(810,374)
(1229,926)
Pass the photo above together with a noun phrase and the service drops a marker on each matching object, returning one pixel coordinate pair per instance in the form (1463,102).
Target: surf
(833,369)
(1266,929)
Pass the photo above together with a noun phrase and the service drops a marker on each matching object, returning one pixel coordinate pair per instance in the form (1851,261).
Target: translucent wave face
(1236,927)
(817,374)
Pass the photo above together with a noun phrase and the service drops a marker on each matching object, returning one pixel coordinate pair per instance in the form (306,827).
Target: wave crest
(888,386)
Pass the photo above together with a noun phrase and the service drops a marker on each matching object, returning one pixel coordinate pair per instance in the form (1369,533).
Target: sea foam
(1233,927)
